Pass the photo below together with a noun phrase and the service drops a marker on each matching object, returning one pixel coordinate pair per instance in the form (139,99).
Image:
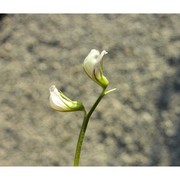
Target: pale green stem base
(83,128)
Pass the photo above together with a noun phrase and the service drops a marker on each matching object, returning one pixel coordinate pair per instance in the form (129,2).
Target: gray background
(138,124)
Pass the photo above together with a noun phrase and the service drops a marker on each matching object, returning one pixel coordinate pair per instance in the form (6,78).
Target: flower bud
(93,66)
(60,102)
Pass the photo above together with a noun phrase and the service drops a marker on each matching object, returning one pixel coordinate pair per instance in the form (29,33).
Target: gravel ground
(137,125)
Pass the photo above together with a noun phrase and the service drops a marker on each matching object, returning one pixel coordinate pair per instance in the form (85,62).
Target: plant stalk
(84,127)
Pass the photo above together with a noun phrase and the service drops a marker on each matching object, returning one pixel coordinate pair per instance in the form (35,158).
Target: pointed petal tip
(52,88)
(105,51)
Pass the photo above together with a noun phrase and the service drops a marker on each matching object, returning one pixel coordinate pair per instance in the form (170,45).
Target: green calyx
(72,105)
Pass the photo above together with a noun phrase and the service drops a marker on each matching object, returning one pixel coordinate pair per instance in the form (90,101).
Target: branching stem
(84,127)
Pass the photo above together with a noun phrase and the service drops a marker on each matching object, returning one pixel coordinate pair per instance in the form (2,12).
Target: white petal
(90,62)
(103,53)
(56,101)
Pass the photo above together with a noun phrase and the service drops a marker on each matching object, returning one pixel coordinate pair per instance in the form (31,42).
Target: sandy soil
(139,124)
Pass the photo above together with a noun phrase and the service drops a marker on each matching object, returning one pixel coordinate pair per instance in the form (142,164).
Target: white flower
(93,66)
(60,102)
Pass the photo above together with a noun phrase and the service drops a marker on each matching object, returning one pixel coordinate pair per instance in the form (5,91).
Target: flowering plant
(93,66)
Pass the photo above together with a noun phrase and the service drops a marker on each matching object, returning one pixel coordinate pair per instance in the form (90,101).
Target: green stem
(84,127)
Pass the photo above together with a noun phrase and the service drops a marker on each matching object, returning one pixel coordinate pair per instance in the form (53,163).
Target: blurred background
(137,125)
